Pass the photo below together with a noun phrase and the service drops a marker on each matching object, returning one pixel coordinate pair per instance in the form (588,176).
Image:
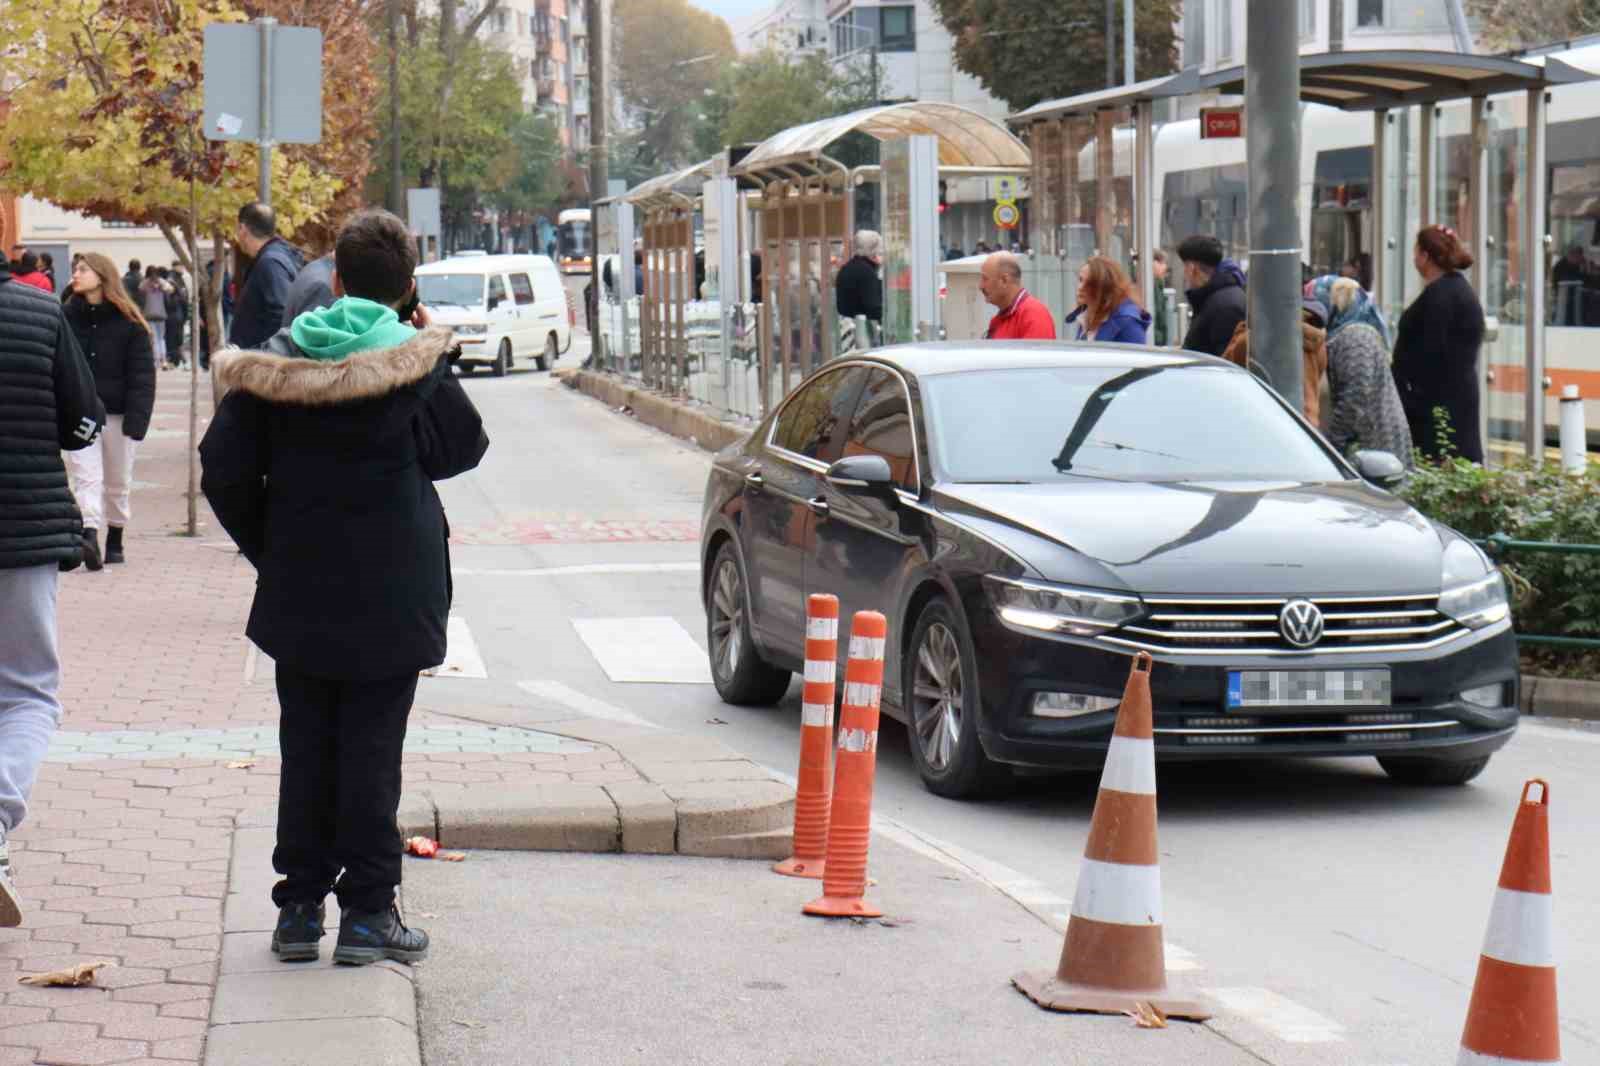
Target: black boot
(367,936)
(298,932)
(114,544)
(91,549)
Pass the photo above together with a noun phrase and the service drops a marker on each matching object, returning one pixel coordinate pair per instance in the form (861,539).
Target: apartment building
(539,37)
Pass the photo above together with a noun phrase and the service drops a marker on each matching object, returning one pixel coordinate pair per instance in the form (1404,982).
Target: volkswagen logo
(1300,622)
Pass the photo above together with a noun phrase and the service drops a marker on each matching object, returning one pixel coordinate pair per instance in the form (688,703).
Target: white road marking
(1551,732)
(588,706)
(652,650)
(1283,1018)
(585,569)
(461,658)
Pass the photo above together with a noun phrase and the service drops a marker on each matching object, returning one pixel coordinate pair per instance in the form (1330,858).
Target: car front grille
(1351,625)
(1320,728)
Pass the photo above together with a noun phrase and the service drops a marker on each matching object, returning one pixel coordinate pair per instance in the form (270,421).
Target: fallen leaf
(426,914)
(451,856)
(422,847)
(468,1025)
(715,721)
(1147,1016)
(72,977)
(241,764)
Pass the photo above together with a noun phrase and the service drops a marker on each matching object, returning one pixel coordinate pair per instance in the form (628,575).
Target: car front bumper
(1426,716)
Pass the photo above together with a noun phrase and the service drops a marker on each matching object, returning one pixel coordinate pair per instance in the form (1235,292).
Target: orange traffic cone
(1113,960)
(815,779)
(844,878)
(1512,1017)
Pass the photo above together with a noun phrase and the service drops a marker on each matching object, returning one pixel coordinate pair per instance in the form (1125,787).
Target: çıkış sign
(1221,122)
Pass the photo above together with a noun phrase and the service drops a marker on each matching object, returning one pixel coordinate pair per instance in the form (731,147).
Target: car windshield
(459,290)
(1151,423)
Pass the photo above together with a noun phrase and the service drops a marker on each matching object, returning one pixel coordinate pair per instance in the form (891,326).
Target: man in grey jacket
(49,403)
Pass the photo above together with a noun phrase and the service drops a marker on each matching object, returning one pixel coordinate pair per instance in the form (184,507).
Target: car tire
(742,677)
(939,679)
(1432,772)
(550,354)
(502,359)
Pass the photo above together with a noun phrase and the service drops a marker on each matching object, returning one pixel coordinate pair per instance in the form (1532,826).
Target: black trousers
(339,789)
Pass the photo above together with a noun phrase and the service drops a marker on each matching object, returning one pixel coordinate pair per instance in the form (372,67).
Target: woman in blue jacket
(1108,306)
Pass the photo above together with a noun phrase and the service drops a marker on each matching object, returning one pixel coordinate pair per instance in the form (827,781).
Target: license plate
(1308,688)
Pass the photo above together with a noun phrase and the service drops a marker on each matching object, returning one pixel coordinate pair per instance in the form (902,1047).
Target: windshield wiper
(443,303)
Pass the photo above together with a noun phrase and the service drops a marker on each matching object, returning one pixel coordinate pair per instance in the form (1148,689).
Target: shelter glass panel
(1505,348)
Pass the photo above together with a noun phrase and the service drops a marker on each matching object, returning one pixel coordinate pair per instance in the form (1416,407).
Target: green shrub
(1553,594)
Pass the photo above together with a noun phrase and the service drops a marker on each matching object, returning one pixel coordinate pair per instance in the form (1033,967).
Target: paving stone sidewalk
(125,854)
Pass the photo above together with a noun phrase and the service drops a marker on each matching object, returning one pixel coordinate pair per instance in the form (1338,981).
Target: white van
(502,308)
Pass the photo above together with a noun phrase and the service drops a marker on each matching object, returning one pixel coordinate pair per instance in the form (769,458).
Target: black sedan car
(1028,515)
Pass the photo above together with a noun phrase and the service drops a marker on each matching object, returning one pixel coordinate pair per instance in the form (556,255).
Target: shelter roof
(966,138)
(667,187)
(1351,80)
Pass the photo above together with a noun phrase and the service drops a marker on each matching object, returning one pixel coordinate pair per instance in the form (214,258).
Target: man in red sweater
(1020,315)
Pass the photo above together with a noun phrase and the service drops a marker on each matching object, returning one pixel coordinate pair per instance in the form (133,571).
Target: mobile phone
(409,308)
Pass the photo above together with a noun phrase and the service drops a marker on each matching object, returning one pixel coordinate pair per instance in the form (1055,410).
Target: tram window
(1574,275)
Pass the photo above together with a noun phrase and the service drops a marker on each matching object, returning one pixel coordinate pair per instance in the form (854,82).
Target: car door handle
(754,482)
(819,506)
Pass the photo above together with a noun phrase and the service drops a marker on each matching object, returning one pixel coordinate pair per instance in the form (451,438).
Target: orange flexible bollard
(1512,1017)
(814,782)
(1113,958)
(844,879)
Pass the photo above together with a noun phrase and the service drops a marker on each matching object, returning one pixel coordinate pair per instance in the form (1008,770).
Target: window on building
(1194,35)
(1225,30)
(1414,16)
(899,28)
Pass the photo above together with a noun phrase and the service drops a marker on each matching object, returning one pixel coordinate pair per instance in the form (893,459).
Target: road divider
(1112,960)
(813,794)
(844,877)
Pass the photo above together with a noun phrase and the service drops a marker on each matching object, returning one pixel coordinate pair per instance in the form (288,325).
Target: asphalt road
(1335,916)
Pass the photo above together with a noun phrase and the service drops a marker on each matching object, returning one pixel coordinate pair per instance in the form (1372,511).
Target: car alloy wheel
(727,618)
(937,700)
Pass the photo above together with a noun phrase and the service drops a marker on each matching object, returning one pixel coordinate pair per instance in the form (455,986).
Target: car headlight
(1061,608)
(471,331)
(1474,592)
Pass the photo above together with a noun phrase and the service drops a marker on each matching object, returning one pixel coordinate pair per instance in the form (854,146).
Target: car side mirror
(866,474)
(1383,469)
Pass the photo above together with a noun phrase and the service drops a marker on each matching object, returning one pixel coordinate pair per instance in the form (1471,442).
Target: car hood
(1217,538)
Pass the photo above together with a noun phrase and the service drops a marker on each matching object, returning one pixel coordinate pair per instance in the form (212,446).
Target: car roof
(482,264)
(954,357)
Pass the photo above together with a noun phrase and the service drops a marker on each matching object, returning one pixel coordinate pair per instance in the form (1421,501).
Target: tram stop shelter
(1088,194)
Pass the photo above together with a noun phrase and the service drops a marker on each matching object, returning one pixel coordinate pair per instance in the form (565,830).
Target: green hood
(351,325)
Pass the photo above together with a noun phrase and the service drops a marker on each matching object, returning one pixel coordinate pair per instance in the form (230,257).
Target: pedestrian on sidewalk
(1020,315)
(1436,350)
(312,289)
(320,463)
(47,403)
(1366,409)
(274,262)
(1108,305)
(28,273)
(153,293)
(858,290)
(177,314)
(1215,291)
(115,338)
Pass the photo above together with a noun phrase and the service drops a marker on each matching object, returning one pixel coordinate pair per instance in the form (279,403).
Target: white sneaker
(10,904)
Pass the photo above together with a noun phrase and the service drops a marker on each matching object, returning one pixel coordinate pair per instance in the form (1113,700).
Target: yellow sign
(1007,215)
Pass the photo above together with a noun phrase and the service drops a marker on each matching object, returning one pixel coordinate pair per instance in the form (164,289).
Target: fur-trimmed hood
(294,379)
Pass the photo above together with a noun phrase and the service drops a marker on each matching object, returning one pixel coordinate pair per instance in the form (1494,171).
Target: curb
(699,797)
(695,425)
(1560,697)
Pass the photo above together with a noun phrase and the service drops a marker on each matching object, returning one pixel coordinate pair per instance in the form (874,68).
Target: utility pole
(599,163)
(265,26)
(1272,113)
(1111,44)
(397,192)
(1127,42)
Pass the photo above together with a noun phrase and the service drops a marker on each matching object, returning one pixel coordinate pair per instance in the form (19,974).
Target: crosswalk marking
(578,702)
(461,657)
(1283,1018)
(651,650)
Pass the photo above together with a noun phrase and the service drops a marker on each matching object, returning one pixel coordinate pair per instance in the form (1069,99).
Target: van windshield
(452,290)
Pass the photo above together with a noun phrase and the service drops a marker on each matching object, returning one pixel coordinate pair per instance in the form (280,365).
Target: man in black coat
(132,280)
(47,403)
(259,311)
(1215,290)
(857,288)
(320,463)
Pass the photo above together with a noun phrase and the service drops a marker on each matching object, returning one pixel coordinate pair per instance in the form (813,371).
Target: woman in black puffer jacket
(116,339)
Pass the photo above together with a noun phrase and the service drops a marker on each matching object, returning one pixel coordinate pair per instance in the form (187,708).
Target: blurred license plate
(1308,688)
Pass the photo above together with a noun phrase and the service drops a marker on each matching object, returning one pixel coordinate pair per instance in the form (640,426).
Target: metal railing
(1500,547)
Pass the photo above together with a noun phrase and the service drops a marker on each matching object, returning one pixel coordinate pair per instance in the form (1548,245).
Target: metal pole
(1144,198)
(397,192)
(1458,26)
(1127,44)
(1380,166)
(1272,100)
(1427,143)
(1478,205)
(599,163)
(264,178)
(1533,263)
(1111,44)
(1335,25)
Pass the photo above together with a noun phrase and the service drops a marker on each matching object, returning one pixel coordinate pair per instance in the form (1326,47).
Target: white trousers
(102,477)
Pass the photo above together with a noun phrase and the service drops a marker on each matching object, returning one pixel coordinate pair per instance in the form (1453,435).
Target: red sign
(1221,122)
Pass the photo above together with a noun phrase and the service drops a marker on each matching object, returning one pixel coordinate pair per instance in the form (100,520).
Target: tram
(574,240)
